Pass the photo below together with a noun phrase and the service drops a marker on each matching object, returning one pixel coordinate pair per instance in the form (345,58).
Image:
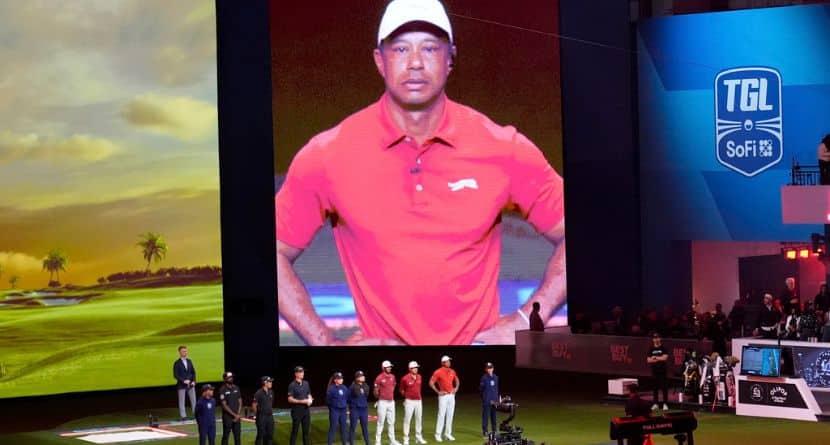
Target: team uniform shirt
(358,395)
(411,386)
(443,378)
(299,391)
(264,405)
(385,384)
(231,396)
(418,227)
(204,411)
(337,396)
(657,367)
(489,388)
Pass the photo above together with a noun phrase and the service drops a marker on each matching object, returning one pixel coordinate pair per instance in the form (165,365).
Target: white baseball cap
(386,364)
(401,12)
(445,358)
(414,364)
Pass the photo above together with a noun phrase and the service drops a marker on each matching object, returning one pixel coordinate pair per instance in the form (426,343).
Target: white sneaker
(405,441)
(438,438)
(420,441)
(654,407)
(394,442)
(449,437)
(665,407)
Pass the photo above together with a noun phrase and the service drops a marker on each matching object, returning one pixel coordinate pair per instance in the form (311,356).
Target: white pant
(446,409)
(410,408)
(386,413)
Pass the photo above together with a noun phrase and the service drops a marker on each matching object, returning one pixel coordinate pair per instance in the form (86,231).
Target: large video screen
(729,102)
(388,236)
(109,221)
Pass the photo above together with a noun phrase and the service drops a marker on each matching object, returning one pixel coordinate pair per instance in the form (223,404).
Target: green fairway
(118,339)
(553,422)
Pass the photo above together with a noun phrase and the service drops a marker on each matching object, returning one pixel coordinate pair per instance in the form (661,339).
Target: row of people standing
(342,401)
(444,382)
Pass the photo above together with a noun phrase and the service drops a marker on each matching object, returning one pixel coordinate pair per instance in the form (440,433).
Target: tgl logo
(753,94)
(748,119)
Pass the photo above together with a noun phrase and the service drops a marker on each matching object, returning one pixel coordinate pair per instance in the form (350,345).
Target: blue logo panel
(748,119)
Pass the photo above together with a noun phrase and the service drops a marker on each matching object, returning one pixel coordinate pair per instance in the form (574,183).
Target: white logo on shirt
(462,184)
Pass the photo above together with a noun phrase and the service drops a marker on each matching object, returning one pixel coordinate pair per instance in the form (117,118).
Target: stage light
(804,253)
(790,254)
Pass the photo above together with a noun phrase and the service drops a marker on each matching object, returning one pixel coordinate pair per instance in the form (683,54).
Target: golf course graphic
(109,211)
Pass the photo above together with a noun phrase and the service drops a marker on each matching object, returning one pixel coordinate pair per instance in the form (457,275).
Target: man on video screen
(414,186)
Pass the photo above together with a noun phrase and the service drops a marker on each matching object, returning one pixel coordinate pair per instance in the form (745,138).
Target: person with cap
(206,416)
(263,406)
(410,389)
(359,406)
(445,383)
(443,173)
(488,387)
(299,397)
(231,400)
(185,374)
(384,391)
(657,359)
(336,399)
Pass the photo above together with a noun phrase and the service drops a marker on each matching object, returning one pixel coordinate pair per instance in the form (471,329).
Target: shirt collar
(392,135)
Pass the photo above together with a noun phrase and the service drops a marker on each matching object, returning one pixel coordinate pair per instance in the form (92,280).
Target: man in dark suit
(185,374)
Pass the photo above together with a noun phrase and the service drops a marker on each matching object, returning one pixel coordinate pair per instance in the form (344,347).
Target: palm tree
(55,262)
(153,246)
(13,281)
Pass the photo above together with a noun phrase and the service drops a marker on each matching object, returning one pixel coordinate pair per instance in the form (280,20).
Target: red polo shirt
(411,386)
(418,228)
(443,378)
(385,384)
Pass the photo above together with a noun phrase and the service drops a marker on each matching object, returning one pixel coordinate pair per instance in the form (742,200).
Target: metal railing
(804,174)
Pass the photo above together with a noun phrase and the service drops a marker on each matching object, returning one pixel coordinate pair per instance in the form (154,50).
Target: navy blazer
(181,374)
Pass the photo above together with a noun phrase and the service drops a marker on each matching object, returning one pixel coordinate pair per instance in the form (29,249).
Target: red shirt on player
(411,386)
(418,227)
(444,377)
(385,386)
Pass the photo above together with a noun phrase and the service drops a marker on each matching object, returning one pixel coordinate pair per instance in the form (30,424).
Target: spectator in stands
(737,316)
(675,329)
(694,320)
(617,325)
(789,296)
(718,330)
(822,300)
(536,323)
(824,160)
(792,324)
(651,323)
(769,319)
(825,331)
(809,322)
(580,324)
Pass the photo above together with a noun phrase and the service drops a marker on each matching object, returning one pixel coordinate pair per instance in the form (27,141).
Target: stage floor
(545,417)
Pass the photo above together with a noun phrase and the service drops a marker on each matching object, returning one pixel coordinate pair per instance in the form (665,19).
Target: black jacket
(181,374)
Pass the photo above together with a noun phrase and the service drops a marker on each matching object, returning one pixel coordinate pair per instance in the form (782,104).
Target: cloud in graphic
(79,147)
(184,118)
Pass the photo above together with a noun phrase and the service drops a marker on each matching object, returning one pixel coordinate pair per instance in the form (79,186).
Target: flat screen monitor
(761,361)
